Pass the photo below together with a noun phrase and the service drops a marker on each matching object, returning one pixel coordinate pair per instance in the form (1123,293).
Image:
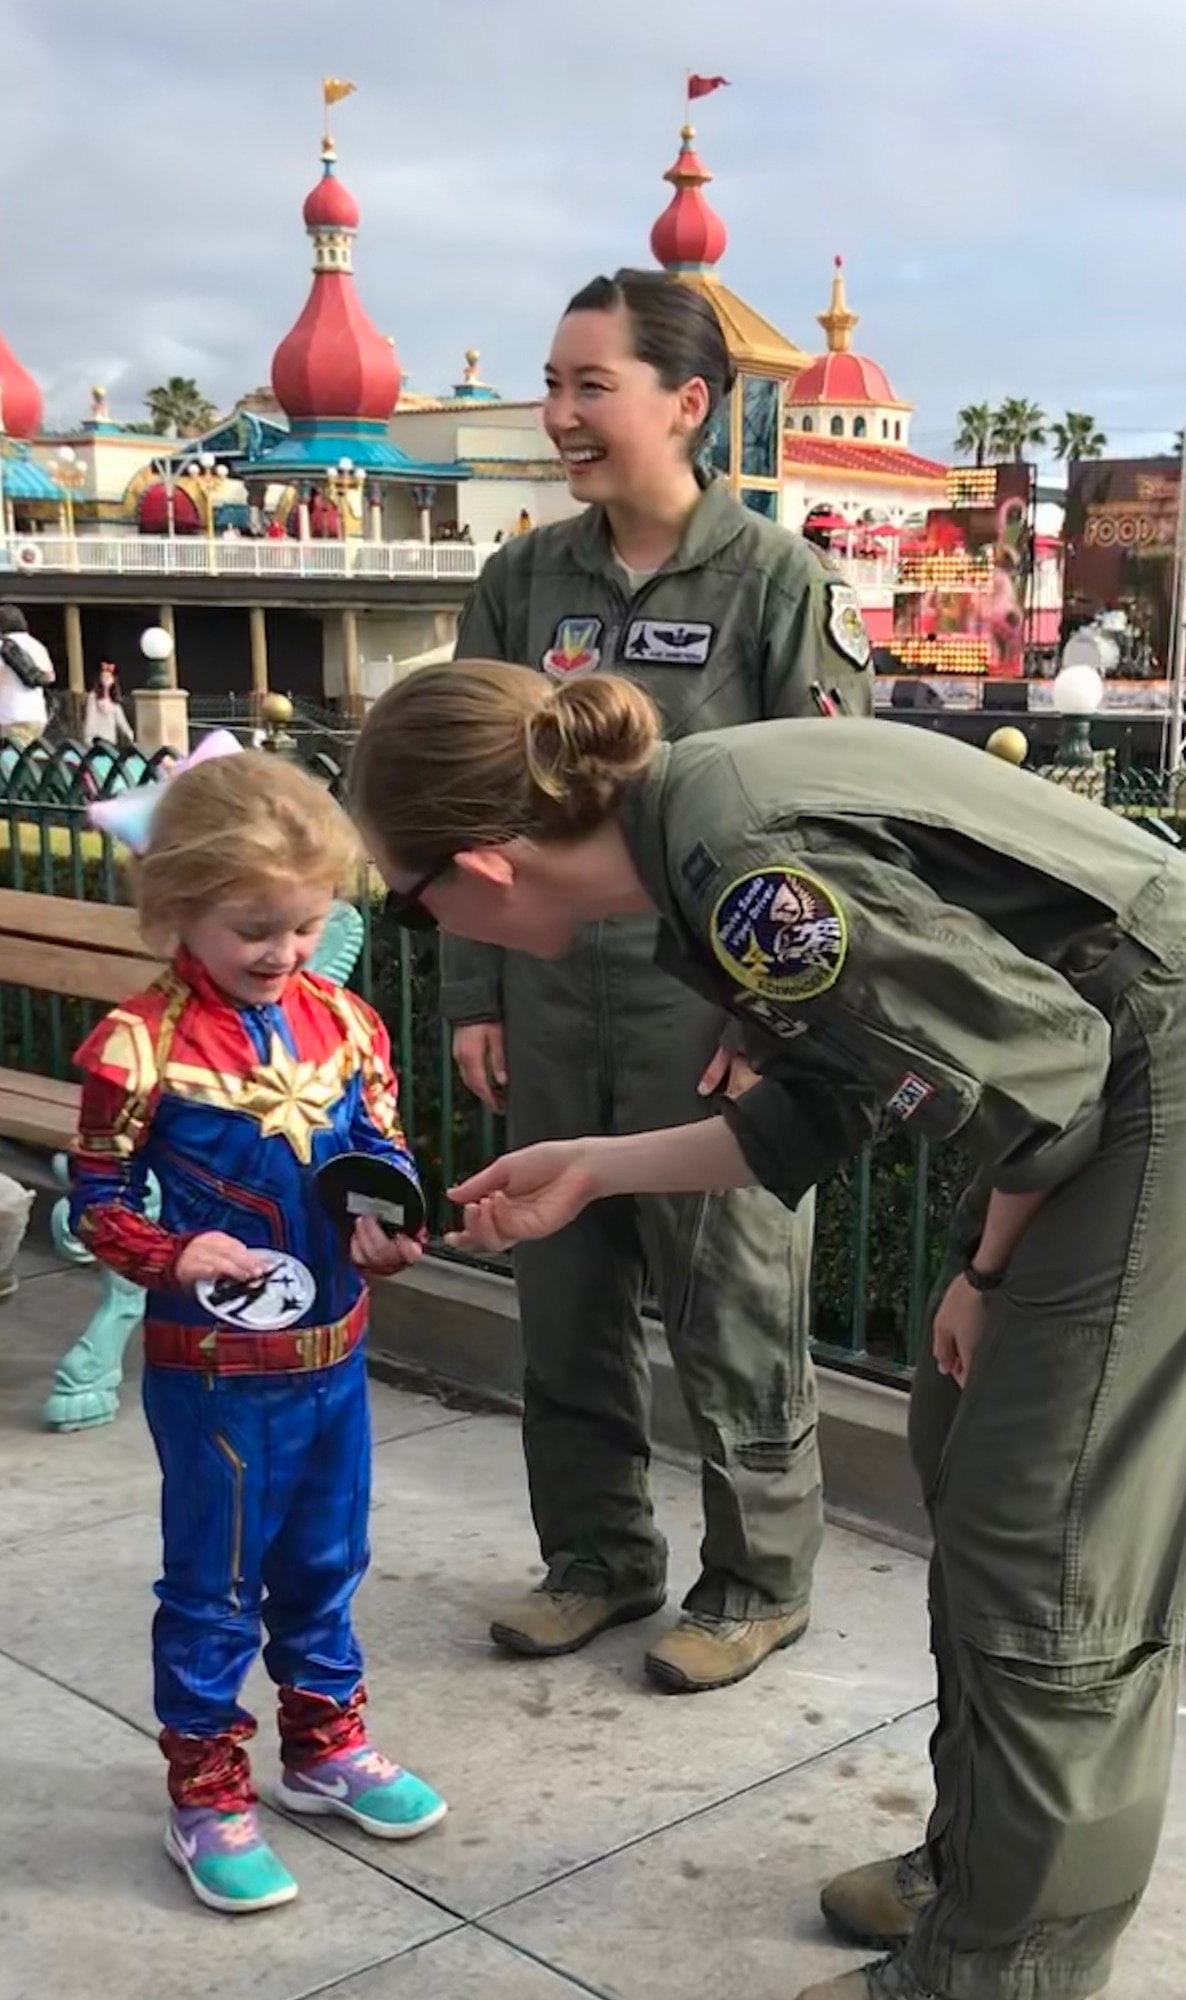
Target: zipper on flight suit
(238,1467)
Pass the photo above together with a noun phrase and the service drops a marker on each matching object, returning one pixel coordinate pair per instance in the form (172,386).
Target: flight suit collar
(717,521)
(677,950)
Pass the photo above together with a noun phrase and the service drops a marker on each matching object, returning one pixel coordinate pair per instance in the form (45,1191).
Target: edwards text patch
(666,642)
(910,1096)
(781,933)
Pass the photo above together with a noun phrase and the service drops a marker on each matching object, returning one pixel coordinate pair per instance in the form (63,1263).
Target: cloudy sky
(1006,180)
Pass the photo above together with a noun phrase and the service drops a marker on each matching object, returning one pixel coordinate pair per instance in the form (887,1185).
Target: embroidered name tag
(668,642)
(771,1019)
(781,933)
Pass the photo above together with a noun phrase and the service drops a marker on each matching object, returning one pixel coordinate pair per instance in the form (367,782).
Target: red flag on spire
(701,86)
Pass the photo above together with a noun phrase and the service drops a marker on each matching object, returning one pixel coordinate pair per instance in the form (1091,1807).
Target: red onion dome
(20,398)
(331,206)
(335,362)
(689,234)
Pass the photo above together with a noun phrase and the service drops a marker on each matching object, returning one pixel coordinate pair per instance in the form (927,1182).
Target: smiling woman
(720,617)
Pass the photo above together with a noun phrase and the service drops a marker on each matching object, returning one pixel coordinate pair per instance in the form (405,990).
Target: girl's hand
(378,1254)
(526,1194)
(214,1255)
(958,1328)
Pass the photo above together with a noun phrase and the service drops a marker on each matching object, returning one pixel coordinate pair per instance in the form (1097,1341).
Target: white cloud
(1005,178)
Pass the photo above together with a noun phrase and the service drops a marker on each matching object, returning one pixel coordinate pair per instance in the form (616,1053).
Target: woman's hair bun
(587,740)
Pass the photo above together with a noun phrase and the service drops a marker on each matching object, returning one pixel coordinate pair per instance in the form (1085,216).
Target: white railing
(197,555)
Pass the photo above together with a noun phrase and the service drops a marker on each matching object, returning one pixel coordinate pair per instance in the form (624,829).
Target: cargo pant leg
(732,1273)
(1057,1489)
(586,1386)
(732,1276)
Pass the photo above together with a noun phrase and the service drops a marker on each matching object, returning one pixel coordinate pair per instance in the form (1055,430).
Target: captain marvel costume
(263,1438)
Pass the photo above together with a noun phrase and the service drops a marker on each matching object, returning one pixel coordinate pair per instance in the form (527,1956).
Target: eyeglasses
(403,906)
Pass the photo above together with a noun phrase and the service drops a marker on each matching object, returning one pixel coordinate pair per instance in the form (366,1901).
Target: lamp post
(157,647)
(207,475)
(70,473)
(1077,691)
(341,484)
(166,472)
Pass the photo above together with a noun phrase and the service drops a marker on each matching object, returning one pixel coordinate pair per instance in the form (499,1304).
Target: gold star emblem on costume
(291,1099)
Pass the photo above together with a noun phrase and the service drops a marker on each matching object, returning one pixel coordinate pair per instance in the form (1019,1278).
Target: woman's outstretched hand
(526,1194)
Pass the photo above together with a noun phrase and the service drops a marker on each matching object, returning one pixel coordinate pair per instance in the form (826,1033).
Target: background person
(106,721)
(723,617)
(932,936)
(26,670)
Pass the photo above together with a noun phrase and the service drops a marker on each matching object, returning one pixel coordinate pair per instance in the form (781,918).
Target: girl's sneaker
(226,1860)
(364,1787)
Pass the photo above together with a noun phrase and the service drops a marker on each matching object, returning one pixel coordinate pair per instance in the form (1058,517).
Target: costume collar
(193,973)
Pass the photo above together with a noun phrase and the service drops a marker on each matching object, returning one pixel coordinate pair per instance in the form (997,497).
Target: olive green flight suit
(930,935)
(737,626)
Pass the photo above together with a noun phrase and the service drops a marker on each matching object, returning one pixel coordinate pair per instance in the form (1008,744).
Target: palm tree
(178,408)
(1078,437)
(975,432)
(1016,426)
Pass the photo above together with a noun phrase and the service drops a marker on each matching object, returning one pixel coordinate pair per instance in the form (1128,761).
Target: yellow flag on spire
(335,88)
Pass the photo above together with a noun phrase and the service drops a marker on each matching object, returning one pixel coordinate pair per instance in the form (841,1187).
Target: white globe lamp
(157,647)
(1078,691)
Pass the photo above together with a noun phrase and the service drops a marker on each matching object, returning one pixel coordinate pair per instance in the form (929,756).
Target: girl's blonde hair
(234,826)
(480,753)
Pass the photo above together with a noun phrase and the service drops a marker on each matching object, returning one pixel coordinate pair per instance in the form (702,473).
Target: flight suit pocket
(1008,1498)
(1064,1784)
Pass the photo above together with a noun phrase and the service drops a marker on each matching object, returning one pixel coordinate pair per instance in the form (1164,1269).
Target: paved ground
(603,1839)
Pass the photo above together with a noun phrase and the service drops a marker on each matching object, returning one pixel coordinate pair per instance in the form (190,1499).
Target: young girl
(232,1080)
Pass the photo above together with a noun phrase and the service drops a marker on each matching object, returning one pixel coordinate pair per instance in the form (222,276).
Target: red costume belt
(217,1351)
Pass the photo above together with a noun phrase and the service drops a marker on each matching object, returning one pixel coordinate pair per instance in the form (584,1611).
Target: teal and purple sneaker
(365,1787)
(226,1860)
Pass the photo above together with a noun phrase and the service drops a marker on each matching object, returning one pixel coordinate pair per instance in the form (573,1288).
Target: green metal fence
(881,1219)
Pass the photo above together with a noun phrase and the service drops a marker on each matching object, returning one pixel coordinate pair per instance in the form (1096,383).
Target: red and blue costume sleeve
(109,1175)
(375,1127)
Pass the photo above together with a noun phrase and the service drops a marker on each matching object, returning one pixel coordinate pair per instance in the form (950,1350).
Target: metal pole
(1178,625)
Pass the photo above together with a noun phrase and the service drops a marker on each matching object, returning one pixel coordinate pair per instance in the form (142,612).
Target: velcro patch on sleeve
(910,1096)
(846,625)
(780,932)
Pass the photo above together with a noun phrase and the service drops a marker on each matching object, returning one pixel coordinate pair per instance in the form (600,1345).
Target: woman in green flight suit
(922,934)
(723,617)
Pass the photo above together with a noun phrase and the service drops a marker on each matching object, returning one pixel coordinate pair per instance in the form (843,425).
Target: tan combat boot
(702,1652)
(550,1621)
(879,1904)
(889,1979)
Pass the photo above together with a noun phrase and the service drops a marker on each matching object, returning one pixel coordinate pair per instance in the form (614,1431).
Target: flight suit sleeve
(471,974)
(813,633)
(889,1002)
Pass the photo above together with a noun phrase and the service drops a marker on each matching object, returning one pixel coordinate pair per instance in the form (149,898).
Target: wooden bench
(83,951)
(94,951)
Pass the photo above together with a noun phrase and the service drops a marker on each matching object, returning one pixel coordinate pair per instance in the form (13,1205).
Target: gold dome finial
(838,322)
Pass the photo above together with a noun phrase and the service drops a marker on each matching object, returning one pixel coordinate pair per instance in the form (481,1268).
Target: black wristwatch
(983,1281)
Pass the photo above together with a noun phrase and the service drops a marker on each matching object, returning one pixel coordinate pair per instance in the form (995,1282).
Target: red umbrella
(829,522)
(883,531)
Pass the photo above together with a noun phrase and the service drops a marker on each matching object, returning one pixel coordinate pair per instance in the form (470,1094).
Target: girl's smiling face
(251,945)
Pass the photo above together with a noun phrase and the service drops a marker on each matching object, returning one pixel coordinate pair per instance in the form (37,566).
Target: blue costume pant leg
(319,1553)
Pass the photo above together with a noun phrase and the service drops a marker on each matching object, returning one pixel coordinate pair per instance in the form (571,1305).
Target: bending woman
(926,935)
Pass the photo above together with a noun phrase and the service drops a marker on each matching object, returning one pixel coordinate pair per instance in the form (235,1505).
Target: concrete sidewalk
(603,1839)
